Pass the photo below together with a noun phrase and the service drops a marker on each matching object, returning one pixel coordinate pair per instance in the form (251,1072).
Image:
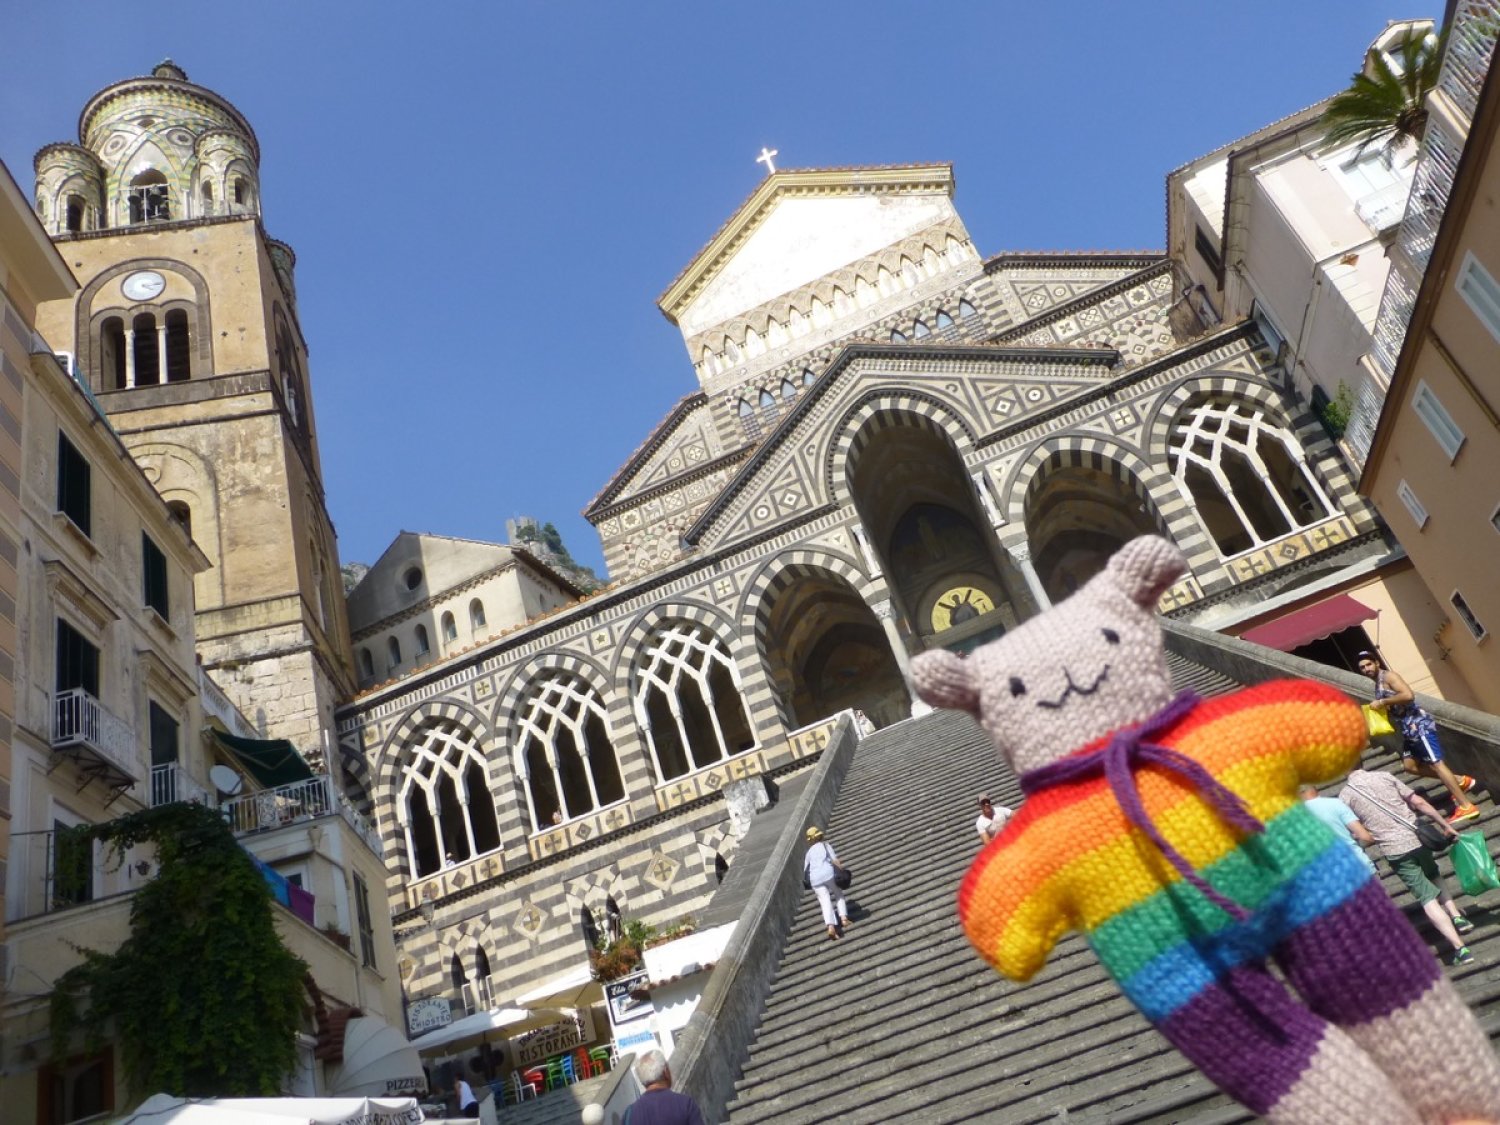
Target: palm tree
(1383,106)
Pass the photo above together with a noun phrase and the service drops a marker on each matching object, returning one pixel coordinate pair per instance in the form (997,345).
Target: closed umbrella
(478,1027)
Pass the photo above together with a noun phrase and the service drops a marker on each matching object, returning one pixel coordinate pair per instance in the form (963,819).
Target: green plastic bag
(1473,865)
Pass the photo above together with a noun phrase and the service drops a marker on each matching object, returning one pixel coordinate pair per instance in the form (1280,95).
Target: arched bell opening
(826,652)
(1076,519)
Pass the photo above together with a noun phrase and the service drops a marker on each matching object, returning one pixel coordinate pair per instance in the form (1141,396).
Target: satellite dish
(225,780)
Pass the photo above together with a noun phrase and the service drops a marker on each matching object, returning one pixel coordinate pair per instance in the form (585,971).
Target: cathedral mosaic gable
(793,478)
(691,445)
(1133,320)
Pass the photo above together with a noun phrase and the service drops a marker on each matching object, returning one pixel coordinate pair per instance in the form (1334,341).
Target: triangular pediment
(987,389)
(798,226)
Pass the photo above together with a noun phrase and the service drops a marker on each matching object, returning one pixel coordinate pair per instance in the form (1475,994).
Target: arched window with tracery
(1245,474)
(564,752)
(444,803)
(687,699)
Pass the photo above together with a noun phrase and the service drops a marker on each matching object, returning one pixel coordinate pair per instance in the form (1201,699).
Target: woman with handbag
(1421,753)
(1391,812)
(820,871)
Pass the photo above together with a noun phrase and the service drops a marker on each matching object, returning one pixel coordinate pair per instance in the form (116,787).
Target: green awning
(271,761)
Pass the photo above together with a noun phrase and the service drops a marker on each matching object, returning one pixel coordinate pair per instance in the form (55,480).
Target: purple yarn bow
(1118,759)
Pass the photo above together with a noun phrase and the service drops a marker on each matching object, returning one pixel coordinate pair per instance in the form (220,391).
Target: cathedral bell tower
(186,330)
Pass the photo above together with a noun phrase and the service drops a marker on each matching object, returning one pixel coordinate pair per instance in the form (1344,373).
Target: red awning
(1310,623)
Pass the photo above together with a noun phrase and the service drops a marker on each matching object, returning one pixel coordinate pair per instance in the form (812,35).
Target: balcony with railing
(1471,47)
(171,783)
(100,743)
(296,803)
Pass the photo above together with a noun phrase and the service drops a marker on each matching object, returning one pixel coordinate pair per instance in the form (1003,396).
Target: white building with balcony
(1281,226)
(112,714)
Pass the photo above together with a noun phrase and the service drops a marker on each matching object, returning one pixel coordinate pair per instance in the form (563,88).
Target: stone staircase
(900,1021)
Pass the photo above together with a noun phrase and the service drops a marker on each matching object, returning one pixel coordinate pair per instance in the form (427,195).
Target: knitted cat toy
(1168,830)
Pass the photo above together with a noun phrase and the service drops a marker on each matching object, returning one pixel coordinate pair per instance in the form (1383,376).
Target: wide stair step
(900,1021)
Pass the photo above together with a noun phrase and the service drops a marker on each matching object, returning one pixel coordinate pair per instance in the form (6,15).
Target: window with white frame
(1481,292)
(1414,506)
(1467,616)
(1245,474)
(687,699)
(564,753)
(444,803)
(1444,429)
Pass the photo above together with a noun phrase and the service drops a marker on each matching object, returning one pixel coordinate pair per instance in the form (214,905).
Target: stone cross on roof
(765,158)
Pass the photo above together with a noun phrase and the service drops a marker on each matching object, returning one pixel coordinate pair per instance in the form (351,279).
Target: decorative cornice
(1072,259)
(707,263)
(604,511)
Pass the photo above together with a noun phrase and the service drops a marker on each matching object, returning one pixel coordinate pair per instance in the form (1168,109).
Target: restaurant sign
(554,1039)
(427,1015)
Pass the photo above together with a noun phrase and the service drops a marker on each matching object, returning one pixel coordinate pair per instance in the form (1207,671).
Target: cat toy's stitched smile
(1053,705)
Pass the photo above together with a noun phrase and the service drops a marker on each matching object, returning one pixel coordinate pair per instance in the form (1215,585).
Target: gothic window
(450,628)
(768,405)
(150,198)
(807,377)
(423,645)
(909,274)
(241,192)
(444,804)
(74,220)
(687,700)
(841,303)
(788,391)
(393,653)
(897,337)
(288,367)
(746,410)
(456,972)
(208,198)
(112,354)
(178,360)
(366,664)
(147,349)
(476,615)
(564,753)
(943,320)
(965,309)
(1245,474)
(920,329)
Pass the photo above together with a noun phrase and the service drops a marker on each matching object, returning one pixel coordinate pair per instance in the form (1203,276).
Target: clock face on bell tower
(959,605)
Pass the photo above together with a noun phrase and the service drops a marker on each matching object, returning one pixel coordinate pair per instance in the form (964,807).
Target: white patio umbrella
(378,1060)
(167,1109)
(480,1026)
(576,988)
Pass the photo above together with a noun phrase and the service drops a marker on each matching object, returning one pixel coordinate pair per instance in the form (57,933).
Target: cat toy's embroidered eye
(1016,686)
(1111,636)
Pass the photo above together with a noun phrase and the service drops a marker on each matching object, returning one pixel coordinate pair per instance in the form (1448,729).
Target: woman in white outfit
(818,868)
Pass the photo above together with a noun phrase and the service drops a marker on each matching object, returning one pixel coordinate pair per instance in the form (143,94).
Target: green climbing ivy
(202,998)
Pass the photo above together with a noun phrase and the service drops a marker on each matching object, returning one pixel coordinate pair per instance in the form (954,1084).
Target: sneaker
(1463,813)
(1465,782)
(1461,956)
(1463,925)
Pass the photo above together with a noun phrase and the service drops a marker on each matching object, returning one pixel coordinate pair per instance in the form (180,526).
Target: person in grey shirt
(819,866)
(1388,809)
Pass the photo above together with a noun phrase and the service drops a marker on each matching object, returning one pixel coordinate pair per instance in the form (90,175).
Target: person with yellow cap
(819,866)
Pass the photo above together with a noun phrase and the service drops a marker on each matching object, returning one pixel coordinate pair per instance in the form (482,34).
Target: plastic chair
(555,1076)
(585,1065)
(569,1068)
(529,1083)
(603,1059)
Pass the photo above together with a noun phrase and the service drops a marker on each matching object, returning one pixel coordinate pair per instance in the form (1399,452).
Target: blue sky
(487,198)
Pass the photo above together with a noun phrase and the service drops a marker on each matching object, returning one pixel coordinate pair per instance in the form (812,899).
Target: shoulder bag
(1429,835)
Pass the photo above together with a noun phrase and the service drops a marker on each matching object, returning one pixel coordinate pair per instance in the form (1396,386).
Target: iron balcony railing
(292,804)
(170,783)
(81,722)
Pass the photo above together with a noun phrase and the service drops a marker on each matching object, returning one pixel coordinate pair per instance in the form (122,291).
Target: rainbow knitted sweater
(1072,860)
